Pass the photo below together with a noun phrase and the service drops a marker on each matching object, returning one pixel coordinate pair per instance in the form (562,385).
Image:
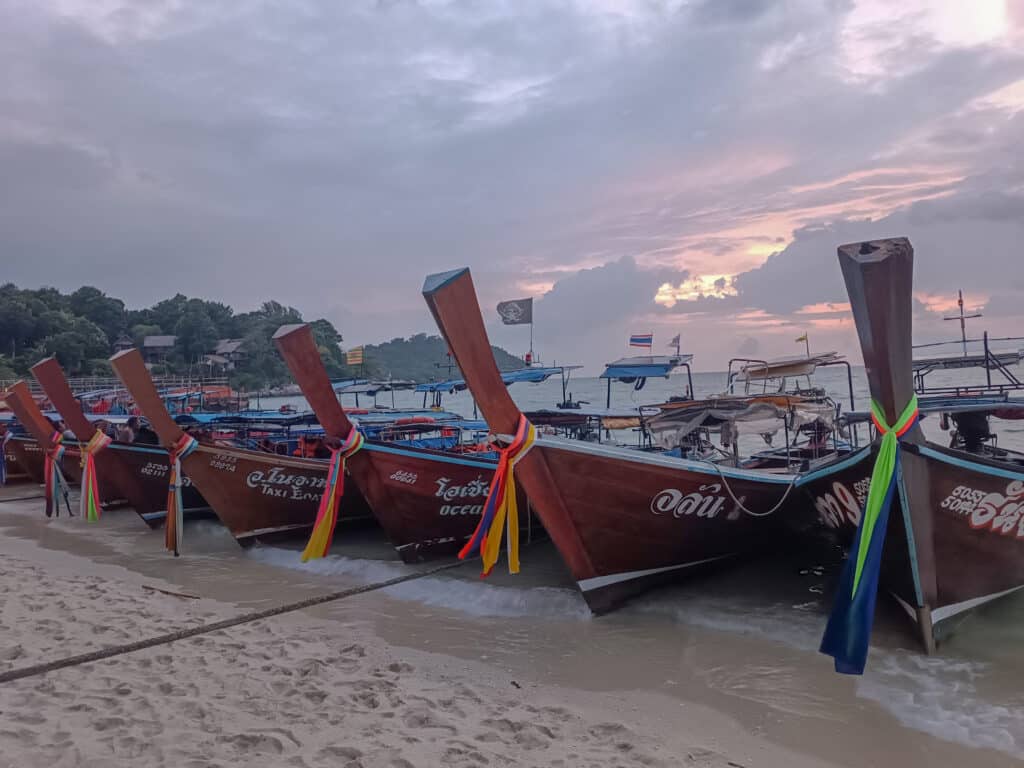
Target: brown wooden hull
(29,456)
(150,465)
(967,521)
(15,471)
(640,519)
(261,495)
(837,493)
(428,503)
(622,520)
(32,460)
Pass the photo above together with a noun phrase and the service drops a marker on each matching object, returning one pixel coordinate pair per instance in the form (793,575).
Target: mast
(963,318)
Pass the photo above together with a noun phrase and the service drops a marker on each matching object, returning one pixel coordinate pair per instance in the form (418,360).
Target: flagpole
(807,345)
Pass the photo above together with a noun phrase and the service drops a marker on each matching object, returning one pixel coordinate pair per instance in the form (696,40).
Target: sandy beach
(361,682)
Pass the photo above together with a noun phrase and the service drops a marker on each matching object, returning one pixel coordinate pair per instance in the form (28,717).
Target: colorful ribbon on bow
(90,501)
(56,485)
(848,632)
(175,508)
(327,513)
(501,510)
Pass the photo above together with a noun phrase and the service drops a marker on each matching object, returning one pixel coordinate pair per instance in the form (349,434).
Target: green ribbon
(882,474)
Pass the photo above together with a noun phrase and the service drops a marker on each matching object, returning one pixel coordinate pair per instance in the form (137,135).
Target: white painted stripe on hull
(269,531)
(945,611)
(948,611)
(911,611)
(597,582)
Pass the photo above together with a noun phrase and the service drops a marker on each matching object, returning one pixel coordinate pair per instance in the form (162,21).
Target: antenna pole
(963,318)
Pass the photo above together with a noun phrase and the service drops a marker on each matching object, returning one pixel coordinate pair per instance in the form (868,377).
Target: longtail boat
(254,494)
(428,502)
(137,473)
(951,519)
(623,520)
(48,461)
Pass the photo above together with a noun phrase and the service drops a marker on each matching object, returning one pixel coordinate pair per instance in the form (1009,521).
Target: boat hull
(32,460)
(15,471)
(428,503)
(151,465)
(837,493)
(261,495)
(967,521)
(629,521)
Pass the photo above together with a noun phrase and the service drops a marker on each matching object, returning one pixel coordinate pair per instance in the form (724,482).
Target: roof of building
(158,342)
(228,346)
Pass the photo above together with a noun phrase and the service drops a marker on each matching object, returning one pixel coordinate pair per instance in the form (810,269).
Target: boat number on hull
(839,507)
(283,485)
(401,476)
(224,461)
(996,512)
(156,469)
(475,489)
(706,501)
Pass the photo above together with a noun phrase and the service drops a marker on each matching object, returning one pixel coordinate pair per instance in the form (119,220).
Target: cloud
(681,166)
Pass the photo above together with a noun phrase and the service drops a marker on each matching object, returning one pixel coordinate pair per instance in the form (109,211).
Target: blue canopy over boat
(644,366)
(533,375)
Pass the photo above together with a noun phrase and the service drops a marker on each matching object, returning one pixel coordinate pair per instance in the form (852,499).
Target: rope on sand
(21,498)
(182,634)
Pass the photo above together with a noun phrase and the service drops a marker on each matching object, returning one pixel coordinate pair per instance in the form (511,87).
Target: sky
(675,166)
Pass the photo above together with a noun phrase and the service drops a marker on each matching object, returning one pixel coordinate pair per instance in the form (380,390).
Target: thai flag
(641,340)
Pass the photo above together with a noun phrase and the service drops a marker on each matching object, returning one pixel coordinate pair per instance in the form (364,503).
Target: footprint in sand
(421,718)
(254,743)
(335,754)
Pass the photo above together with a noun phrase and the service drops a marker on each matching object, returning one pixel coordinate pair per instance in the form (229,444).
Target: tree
(93,304)
(81,341)
(196,332)
(166,313)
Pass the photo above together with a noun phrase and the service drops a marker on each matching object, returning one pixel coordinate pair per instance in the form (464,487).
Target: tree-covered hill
(422,358)
(82,328)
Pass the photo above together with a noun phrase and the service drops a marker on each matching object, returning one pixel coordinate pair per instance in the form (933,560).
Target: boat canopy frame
(635,371)
(988,359)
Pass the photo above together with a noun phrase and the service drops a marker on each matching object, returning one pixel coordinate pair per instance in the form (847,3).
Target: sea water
(972,692)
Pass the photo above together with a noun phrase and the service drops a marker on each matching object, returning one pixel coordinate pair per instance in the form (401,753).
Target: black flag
(516,312)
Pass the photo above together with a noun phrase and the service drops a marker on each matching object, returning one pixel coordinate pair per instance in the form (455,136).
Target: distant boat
(622,519)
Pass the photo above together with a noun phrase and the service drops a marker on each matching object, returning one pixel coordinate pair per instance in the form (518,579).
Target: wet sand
(443,670)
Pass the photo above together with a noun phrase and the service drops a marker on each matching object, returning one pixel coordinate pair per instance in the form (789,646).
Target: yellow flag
(801,338)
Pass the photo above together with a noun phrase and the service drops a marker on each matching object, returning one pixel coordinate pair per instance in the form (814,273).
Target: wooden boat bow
(300,353)
(131,369)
